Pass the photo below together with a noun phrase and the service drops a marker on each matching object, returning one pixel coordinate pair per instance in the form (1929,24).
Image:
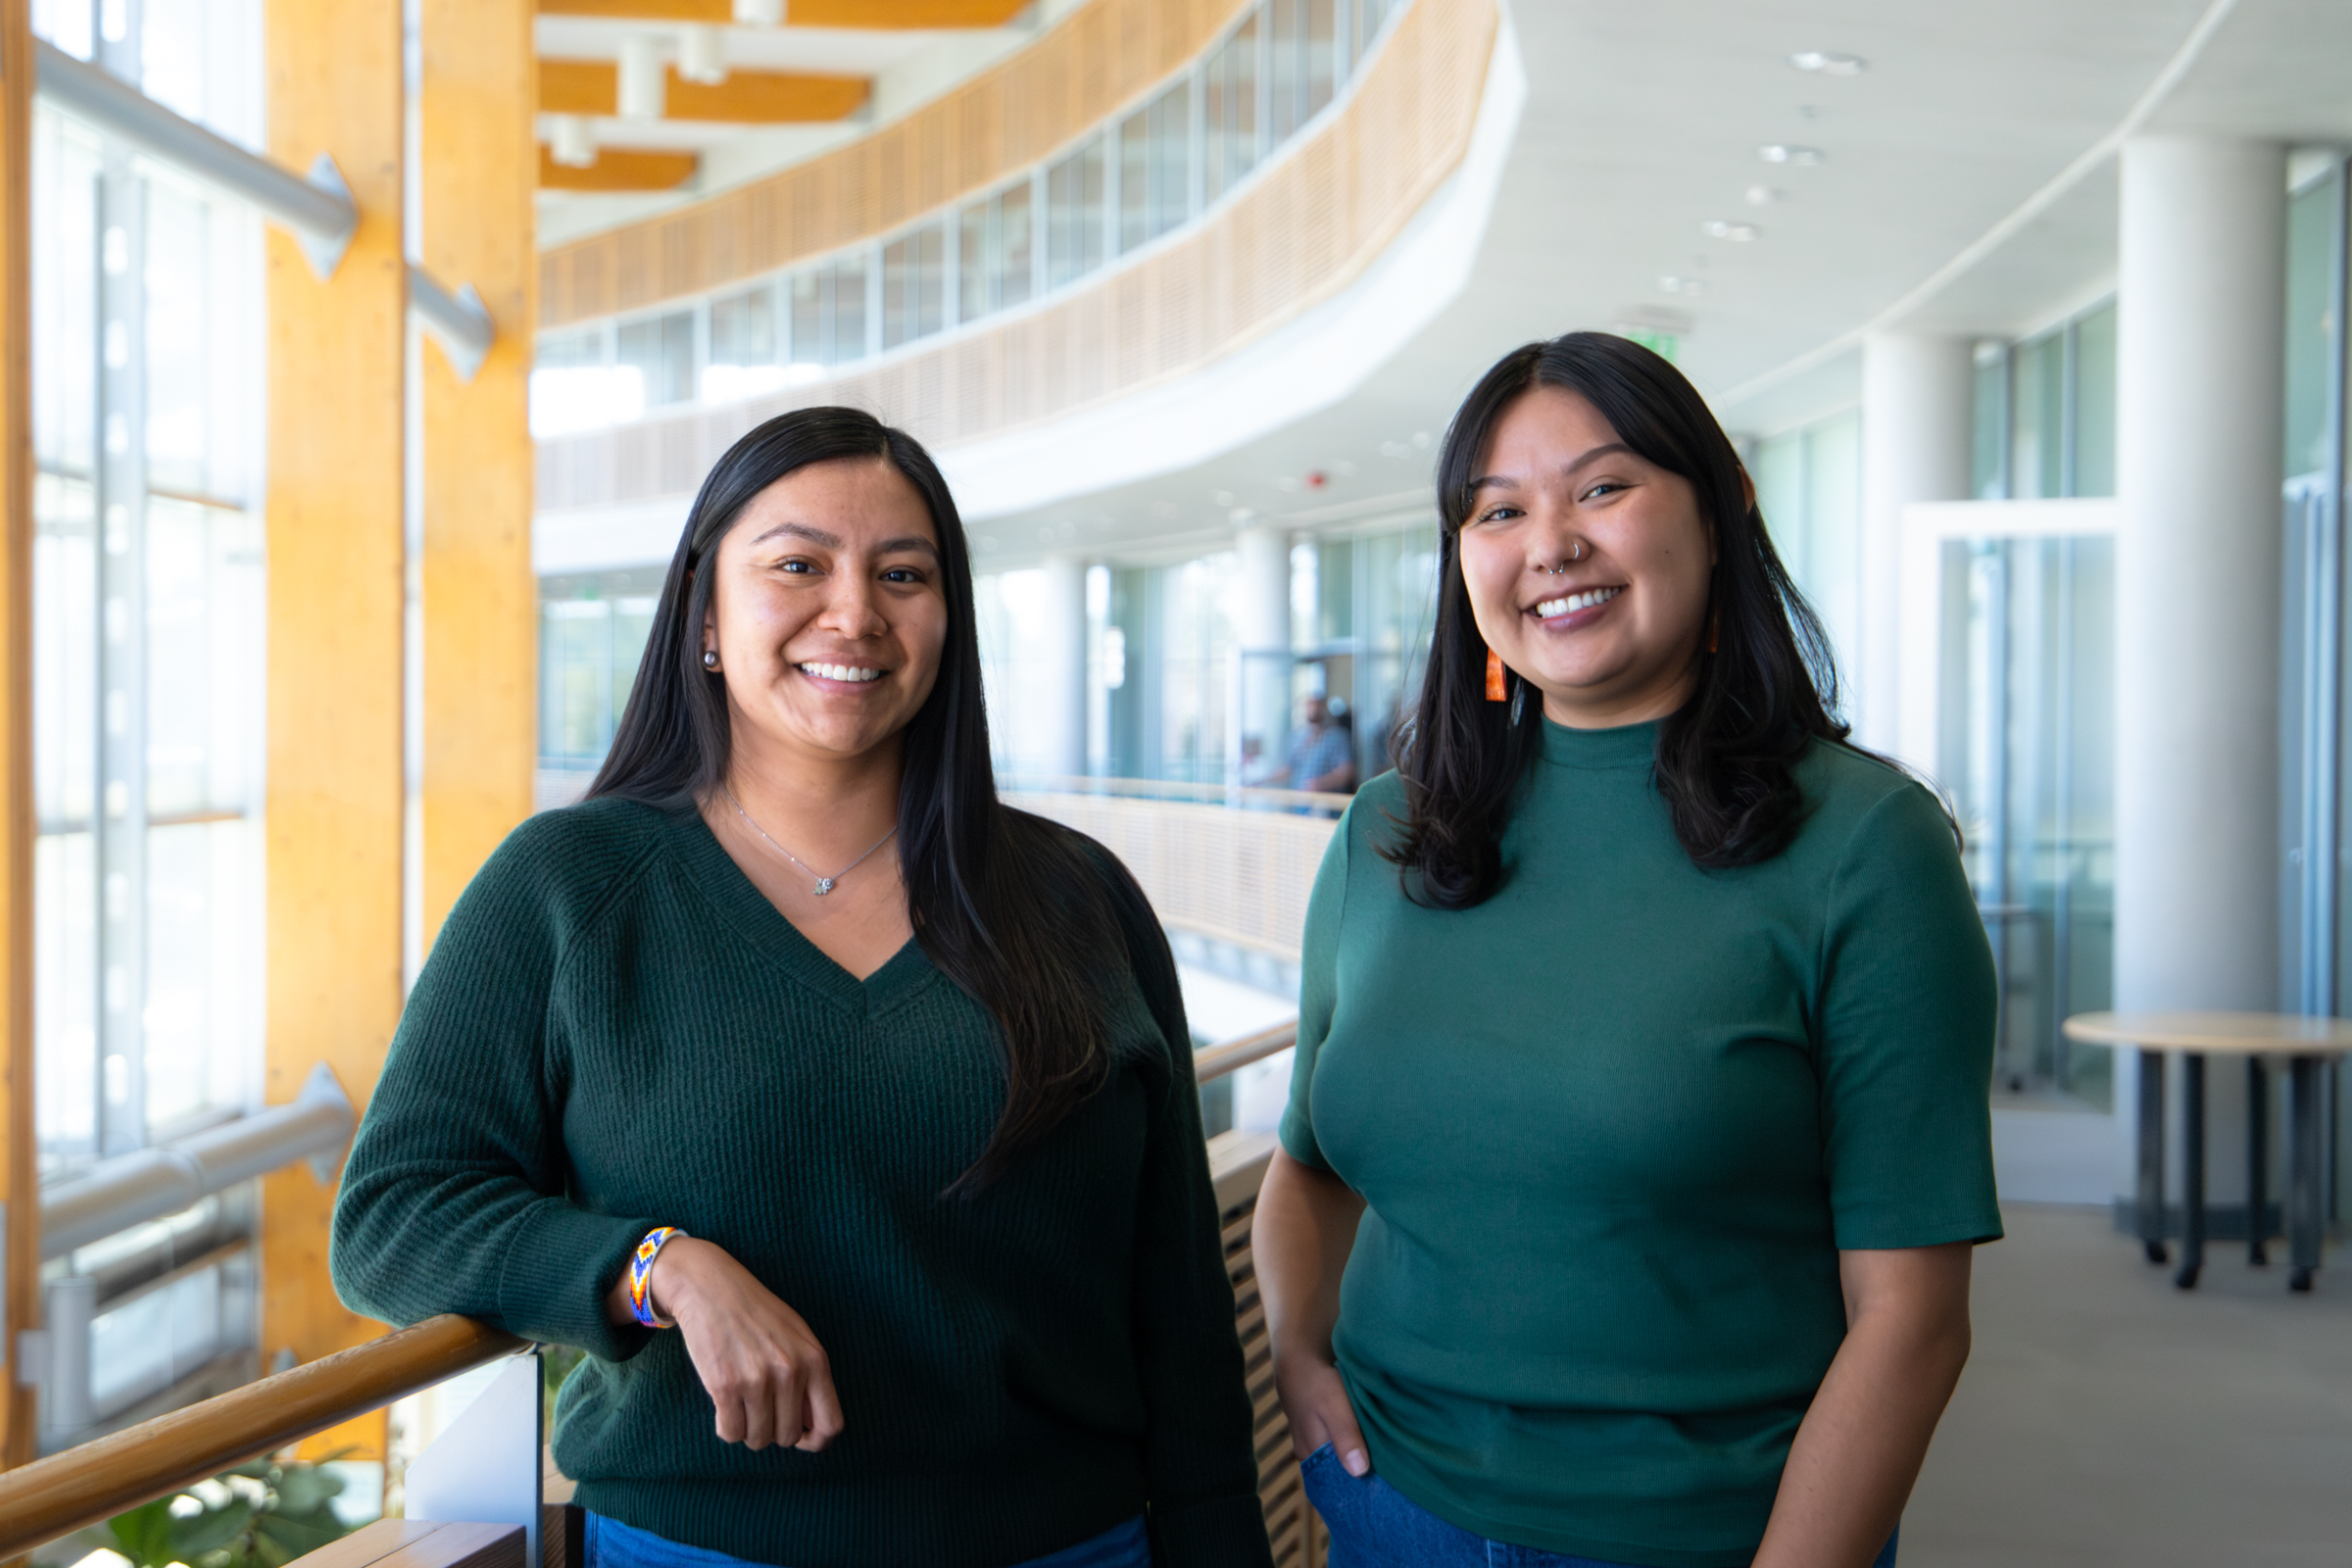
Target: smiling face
(827,613)
(1586,566)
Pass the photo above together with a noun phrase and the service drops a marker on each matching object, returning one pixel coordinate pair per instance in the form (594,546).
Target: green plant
(259,1515)
(556,1364)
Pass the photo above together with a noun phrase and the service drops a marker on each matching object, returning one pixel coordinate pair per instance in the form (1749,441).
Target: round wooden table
(2305,1043)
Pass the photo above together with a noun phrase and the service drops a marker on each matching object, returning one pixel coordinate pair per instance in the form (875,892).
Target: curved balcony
(1292,235)
(1002,121)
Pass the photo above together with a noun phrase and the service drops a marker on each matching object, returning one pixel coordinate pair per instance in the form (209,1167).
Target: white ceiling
(1642,124)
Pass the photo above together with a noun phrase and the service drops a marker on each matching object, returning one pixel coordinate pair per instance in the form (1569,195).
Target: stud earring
(711,659)
(1498,688)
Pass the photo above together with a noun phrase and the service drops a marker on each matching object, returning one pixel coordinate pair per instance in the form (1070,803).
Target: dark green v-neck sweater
(616,1030)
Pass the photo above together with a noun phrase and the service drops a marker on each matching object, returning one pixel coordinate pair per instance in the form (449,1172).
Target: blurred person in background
(1639,1130)
(845,1115)
(1322,752)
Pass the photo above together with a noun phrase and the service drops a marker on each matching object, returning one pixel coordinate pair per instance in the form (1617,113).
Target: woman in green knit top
(1638,1135)
(843,1114)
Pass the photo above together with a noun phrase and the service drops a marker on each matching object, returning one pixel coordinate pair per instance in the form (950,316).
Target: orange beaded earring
(1498,688)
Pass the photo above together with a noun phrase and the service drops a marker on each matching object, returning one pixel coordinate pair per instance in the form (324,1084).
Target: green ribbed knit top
(1615,1124)
(616,1030)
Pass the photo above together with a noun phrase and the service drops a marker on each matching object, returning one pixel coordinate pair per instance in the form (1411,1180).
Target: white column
(1263,615)
(2199,366)
(1060,713)
(1916,392)
(1262,633)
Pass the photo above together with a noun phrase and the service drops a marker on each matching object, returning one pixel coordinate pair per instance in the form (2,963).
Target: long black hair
(1010,908)
(1766,691)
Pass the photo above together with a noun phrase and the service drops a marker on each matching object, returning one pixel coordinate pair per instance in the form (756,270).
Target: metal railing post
(67,1407)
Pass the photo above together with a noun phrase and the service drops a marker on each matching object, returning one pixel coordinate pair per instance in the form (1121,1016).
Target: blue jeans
(1373,1525)
(614,1544)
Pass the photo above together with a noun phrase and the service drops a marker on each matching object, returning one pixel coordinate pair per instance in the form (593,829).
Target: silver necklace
(824,883)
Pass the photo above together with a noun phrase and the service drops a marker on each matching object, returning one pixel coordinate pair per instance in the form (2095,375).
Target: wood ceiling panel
(618,169)
(898,13)
(722,12)
(895,15)
(743,98)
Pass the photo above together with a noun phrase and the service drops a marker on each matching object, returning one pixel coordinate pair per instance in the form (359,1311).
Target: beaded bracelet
(641,1274)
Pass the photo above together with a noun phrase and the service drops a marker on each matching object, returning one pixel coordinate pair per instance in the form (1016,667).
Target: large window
(592,631)
(828,312)
(1164,666)
(2054,397)
(1810,488)
(1075,236)
(746,346)
(658,349)
(148,564)
(1155,145)
(996,252)
(1230,117)
(913,282)
(148,691)
(2027,751)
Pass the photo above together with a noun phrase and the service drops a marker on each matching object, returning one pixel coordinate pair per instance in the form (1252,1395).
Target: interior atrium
(361,365)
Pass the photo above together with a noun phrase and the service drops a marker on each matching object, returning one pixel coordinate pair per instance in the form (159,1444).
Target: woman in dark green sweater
(843,1114)
(1638,1135)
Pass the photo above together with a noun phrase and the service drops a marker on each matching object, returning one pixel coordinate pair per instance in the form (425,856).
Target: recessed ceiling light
(1779,152)
(1764,195)
(1829,63)
(1689,287)
(1736,234)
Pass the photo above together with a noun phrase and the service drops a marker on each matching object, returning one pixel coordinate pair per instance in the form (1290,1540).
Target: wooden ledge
(92,1483)
(422,1543)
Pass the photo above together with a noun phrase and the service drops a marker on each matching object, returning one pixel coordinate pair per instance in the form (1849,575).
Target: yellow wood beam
(876,15)
(618,169)
(336,363)
(21,1249)
(720,12)
(903,14)
(745,97)
(477,172)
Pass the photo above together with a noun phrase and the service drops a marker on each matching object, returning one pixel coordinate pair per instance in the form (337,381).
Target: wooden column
(479,169)
(21,1249)
(337,356)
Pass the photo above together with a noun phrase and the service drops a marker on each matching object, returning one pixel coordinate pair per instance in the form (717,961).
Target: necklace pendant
(824,885)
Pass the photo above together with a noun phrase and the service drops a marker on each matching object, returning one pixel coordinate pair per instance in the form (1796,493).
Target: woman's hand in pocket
(1314,1397)
(768,1379)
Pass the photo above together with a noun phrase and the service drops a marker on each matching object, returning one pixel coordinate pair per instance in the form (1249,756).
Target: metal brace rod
(319,208)
(120,1193)
(459,323)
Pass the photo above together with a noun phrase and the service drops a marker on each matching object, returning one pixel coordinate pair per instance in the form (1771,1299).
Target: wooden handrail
(99,1479)
(93,1482)
(1176,790)
(1228,1056)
